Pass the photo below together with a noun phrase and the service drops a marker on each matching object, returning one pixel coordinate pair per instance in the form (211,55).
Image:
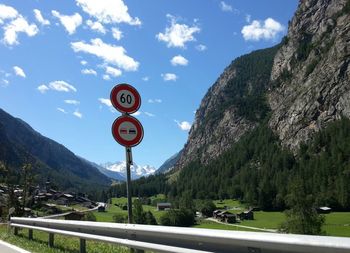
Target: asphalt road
(9,248)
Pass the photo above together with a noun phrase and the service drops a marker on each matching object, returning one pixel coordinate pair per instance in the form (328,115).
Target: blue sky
(59,61)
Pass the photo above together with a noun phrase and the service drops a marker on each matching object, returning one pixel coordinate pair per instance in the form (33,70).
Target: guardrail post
(16,231)
(82,245)
(30,234)
(51,240)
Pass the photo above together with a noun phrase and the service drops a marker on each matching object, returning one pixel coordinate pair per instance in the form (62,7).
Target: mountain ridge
(137,171)
(50,160)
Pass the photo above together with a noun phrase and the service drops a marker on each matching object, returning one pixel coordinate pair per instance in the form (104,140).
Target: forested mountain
(273,117)
(20,144)
(169,163)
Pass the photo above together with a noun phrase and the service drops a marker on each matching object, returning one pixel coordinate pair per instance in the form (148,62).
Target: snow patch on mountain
(137,171)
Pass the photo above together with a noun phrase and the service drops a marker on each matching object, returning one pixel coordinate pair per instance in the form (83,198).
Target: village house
(225,216)
(102,207)
(246,215)
(323,210)
(65,199)
(163,206)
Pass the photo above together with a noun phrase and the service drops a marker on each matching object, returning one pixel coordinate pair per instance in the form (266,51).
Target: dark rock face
(311,72)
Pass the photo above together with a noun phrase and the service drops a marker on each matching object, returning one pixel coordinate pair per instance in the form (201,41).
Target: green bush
(179,218)
(119,218)
(89,217)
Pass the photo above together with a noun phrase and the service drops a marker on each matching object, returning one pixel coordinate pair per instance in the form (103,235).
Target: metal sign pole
(128,182)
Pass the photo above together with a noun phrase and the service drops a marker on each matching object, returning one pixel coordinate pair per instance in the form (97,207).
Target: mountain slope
(232,106)
(311,72)
(111,174)
(20,143)
(274,117)
(169,164)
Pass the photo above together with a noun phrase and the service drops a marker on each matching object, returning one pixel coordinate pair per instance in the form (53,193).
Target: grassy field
(336,224)
(62,244)
(265,220)
(112,209)
(230,203)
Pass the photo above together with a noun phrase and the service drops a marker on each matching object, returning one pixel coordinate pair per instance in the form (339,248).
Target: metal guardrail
(176,239)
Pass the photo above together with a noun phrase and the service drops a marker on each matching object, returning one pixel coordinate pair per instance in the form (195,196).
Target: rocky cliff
(299,85)
(232,106)
(311,72)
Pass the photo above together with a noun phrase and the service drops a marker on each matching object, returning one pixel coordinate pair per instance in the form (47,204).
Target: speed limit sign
(125,98)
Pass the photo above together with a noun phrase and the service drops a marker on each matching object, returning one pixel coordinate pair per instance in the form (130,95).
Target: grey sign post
(127,130)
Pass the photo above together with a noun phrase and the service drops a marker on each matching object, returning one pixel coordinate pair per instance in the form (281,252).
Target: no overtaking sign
(126,130)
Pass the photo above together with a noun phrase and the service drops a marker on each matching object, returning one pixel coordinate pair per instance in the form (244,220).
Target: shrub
(180,218)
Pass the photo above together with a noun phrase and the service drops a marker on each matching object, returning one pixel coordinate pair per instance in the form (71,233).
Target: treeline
(258,171)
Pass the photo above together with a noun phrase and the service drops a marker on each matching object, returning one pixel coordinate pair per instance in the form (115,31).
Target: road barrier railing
(178,239)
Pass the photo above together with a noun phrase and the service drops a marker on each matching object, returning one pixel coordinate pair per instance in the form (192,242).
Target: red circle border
(118,138)
(120,108)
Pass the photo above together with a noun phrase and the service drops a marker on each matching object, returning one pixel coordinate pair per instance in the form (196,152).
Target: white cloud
(153,101)
(145,78)
(7,12)
(96,26)
(201,47)
(43,88)
(71,102)
(83,62)
(177,35)
(106,77)
(16,26)
(179,60)
(61,110)
(225,7)
(40,17)
(61,86)
(5,82)
(19,72)
(77,114)
(169,77)
(117,34)
(70,23)
(113,71)
(136,113)
(111,54)
(89,72)
(257,30)
(108,11)
(149,114)
(184,125)
(105,101)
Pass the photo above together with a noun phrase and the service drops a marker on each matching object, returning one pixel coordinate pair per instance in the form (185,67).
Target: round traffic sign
(127,131)
(125,98)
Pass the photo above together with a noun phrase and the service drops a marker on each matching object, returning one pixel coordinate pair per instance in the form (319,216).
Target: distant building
(323,209)
(225,216)
(246,215)
(215,213)
(163,206)
(102,207)
(65,199)
(230,218)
